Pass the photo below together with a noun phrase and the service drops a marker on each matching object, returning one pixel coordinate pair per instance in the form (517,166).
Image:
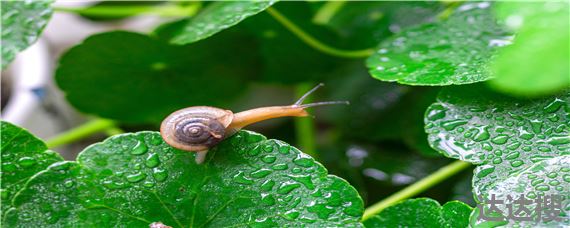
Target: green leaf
(422,212)
(138,79)
(455,50)
(137,179)
(219,16)
(538,63)
(504,136)
(23,155)
(286,58)
(22,23)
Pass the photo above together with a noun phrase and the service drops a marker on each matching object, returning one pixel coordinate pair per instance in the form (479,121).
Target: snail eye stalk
(299,102)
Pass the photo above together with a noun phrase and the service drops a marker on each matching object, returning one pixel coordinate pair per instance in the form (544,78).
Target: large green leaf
(23,155)
(422,212)
(455,50)
(22,23)
(218,16)
(137,179)
(504,136)
(135,78)
(538,63)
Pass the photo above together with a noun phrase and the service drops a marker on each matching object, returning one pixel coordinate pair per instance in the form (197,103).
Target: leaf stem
(80,132)
(416,188)
(327,11)
(164,10)
(304,127)
(316,44)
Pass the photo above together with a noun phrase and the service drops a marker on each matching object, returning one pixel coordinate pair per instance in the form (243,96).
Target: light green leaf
(455,50)
(422,212)
(22,23)
(137,179)
(538,63)
(23,155)
(505,137)
(219,16)
(134,78)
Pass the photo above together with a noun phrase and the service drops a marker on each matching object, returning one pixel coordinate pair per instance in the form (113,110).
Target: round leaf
(134,78)
(137,179)
(23,155)
(22,23)
(455,50)
(218,16)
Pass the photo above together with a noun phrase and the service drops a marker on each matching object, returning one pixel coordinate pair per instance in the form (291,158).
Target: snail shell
(196,128)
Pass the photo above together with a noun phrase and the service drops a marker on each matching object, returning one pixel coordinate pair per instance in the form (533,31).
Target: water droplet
(280,166)
(536,126)
(485,170)
(267,185)
(304,162)
(155,139)
(269,159)
(500,139)
(536,182)
(159,174)
(139,148)
(268,200)
(240,178)
(148,184)
(542,188)
(452,124)
(497,160)
(554,105)
(566,178)
(287,187)
(436,112)
(554,183)
(27,161)
(261,173)
(133,178)
(152,161)
(305,180)
(559,140)
(68,183)
(291,215)
(268,148)
(482,135)
(284,149)
(517,163)
(512,155)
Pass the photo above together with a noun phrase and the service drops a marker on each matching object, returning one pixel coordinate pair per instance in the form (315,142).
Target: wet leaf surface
(218,16)
(136,179)
(22,23)
(455,50)
(422,212)
(504,136)
(541,43)
(122,69)
(23,155)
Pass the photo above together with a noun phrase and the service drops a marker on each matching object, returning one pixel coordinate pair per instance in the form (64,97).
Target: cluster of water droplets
(502,136)
(451,51)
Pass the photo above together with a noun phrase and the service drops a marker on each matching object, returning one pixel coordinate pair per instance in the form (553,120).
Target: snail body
(199,128)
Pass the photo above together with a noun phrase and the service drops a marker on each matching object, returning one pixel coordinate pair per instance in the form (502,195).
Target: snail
(199,128)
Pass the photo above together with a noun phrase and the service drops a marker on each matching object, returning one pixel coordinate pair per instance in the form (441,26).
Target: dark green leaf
(23,155)
(455,50)
(22,23)
(538,63)
(137,179)
(218,16)
(134,78)
(504,136)
(422,212)
(286,58)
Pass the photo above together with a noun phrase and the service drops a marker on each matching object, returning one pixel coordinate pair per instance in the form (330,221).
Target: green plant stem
(327,11)
(450,7)
(416,188)
(164,10)
(316,44)
(305,126)
(114,131)
(80,132)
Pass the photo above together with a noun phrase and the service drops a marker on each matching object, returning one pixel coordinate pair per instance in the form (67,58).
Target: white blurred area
(34,101)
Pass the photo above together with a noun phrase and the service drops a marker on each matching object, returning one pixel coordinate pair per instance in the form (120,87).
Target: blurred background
(377,143)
